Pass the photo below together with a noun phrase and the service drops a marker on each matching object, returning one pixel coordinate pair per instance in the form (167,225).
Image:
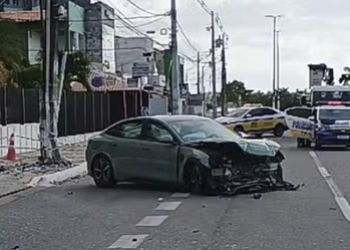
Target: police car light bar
(333,103)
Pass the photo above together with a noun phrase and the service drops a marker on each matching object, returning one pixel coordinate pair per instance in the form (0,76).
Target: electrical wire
(140,8)
(143,24)
(209,11)
(186,37)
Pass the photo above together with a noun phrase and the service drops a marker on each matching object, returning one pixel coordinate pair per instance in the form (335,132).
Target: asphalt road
(78,215)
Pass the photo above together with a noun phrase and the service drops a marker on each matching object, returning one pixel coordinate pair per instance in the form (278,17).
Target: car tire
(238,129)
(300,143)
(102,172)
(193,178)
(279,130)
(318,145)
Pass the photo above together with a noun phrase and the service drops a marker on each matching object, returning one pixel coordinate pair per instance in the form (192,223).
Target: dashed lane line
(180,195)
(338,195)
(168,206)
(152,221)
(129,241)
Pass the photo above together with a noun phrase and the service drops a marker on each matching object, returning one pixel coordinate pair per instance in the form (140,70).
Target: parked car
(195,152)
(255,120)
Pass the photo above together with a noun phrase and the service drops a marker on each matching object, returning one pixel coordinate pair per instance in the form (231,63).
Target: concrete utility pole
(198,73)
(223,77)
(274,17)
(213,46)
(174,76)
(278,94)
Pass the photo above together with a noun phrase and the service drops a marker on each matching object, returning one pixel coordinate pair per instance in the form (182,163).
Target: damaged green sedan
(193,152)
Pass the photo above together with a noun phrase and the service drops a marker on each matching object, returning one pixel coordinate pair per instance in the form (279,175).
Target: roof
(330,88)
(21,16)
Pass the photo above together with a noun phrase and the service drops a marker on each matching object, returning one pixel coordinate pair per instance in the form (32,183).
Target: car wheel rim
(195,179)
(102,170)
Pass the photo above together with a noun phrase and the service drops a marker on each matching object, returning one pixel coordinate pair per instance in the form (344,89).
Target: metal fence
(80,113)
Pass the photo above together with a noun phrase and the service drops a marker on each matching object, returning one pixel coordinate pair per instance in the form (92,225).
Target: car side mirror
(312,118)
(248,116)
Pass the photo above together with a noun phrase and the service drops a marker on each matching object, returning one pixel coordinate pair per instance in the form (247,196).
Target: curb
(59,177)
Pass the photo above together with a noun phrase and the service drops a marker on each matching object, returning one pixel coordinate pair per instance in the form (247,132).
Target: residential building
(20,5)
(100,33)
(134,50)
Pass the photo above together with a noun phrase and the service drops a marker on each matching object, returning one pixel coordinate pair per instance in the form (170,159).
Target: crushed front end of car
(246,166)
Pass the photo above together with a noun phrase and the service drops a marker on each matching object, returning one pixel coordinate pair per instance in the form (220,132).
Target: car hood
(224,119)
(261,147)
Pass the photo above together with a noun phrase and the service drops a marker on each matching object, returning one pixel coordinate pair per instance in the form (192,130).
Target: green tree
(10,52)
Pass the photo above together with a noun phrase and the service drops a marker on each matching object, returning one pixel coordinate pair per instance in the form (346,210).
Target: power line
(208,10)
(144,24)
(186,38)
(140,8)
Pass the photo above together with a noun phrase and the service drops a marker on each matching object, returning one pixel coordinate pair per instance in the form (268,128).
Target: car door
(253,118)
(268,119)
(159,153)
(124,148)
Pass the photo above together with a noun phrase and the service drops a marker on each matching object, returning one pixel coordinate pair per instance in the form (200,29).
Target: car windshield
(335,114)
(197,130)
(237,113)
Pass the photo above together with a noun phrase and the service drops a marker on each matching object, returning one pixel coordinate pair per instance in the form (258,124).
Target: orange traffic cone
(11,153)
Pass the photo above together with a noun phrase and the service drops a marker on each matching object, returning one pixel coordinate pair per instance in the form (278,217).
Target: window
(128,130)
(155,132)
(256,112)
(266,111)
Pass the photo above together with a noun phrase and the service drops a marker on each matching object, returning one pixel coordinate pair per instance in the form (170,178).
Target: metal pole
(278,71)
(274,64)
(198,73)
(214,100)
(223,78)
(175,81)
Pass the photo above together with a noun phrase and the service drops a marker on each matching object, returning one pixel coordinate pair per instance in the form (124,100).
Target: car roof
(169,118)
(332,107)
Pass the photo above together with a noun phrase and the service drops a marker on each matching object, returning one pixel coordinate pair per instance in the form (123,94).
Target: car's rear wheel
(301,142)
(279,130)
(318,145)
(102,172)
(193,178)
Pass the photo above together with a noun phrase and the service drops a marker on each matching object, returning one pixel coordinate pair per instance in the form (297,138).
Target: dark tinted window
(300,112)
(256,112)
(128,130)
(267,111)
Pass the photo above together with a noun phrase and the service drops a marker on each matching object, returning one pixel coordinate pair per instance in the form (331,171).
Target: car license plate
(217,172)
(343,137)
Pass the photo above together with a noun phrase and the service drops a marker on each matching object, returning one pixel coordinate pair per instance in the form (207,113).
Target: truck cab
(332,125)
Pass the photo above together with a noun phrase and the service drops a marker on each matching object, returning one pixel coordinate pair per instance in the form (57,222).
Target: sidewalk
(15,176)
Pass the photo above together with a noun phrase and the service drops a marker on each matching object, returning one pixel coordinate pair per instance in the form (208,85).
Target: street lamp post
(274,17)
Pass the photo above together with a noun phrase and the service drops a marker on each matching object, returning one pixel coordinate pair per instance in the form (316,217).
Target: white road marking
(180,195)
(152,221)
(129,241)
(338,195)
(169,206)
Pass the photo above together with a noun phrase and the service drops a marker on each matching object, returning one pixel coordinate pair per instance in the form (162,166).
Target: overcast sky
(312,31)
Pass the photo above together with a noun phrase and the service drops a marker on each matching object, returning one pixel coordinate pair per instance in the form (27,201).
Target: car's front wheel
(102,172)
(193,178)
(279,130)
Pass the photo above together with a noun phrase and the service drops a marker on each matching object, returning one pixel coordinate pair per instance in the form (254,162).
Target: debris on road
(257,196)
